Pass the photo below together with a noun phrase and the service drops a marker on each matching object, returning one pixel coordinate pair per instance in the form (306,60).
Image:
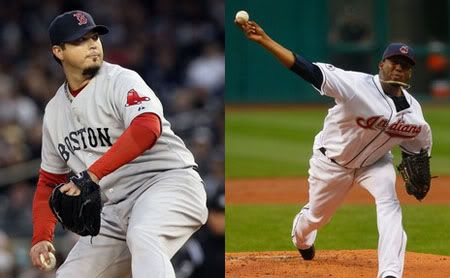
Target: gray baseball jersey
(154,203)
(77,131)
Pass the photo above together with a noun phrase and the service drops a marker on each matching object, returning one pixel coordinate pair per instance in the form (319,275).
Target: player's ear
(57,51)
(380,64)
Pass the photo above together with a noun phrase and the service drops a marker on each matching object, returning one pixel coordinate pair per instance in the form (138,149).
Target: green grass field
(268,228)
(276,143)
(279,143)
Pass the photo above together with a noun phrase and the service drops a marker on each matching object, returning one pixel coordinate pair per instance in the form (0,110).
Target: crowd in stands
(177,46)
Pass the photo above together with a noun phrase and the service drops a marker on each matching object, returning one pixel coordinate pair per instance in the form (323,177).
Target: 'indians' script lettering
(396,129)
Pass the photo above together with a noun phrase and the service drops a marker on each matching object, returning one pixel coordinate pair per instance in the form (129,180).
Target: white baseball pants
(329,184)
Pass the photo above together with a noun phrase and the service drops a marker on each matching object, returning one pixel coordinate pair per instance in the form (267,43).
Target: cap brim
(100,29)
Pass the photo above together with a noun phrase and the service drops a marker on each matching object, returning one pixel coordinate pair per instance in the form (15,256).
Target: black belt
(323,151)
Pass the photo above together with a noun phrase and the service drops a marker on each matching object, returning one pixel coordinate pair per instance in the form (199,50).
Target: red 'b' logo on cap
(404,49)
(81,18)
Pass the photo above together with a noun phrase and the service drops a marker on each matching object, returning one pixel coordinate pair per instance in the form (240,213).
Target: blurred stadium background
(350,34)
(176,46)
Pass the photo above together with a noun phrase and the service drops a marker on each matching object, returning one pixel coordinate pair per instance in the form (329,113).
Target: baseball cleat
(306,251)
(308,254)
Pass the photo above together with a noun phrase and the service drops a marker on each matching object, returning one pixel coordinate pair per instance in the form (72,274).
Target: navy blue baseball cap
(73,25)
(400,49)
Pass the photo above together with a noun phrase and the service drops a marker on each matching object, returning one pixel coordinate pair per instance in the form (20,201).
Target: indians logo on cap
(81,18)
(404,49)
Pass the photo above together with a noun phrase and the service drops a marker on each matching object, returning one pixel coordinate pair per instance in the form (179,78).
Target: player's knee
(139,239)
(148,252)
(137,236)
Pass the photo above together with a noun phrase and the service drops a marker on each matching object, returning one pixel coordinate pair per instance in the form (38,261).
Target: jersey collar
(67,92)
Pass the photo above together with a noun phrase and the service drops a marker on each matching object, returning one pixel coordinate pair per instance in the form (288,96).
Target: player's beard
(91,71)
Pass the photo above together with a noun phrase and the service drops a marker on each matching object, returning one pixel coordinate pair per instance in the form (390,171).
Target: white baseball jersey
(358,134)
(364,124)
(77,131)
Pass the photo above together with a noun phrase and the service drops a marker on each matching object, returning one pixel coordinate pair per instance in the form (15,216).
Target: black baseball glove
(79,214)
(415,171)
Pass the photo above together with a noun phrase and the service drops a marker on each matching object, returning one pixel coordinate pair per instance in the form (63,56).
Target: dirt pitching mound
(329,263)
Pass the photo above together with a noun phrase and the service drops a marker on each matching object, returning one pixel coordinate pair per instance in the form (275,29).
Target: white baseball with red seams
(354,148)
(153,204)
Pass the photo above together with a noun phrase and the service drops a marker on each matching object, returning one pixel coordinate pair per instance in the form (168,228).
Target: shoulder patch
(133,98)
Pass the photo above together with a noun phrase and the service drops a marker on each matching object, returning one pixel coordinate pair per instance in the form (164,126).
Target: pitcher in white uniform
(107,120)
(372,114)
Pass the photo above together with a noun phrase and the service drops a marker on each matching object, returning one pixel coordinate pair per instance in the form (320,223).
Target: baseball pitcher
(371,115)
(136,196)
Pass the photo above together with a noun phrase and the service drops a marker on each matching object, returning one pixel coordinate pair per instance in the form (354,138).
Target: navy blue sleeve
(308,71)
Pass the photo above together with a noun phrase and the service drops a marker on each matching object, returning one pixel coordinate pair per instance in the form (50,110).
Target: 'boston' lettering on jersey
(396,129)
(80,139)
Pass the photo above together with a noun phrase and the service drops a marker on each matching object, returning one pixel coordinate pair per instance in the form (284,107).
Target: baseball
(48,265)
(241,17)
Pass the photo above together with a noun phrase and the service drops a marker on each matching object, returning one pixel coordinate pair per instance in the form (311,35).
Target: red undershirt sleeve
(44,221)
(140,136)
